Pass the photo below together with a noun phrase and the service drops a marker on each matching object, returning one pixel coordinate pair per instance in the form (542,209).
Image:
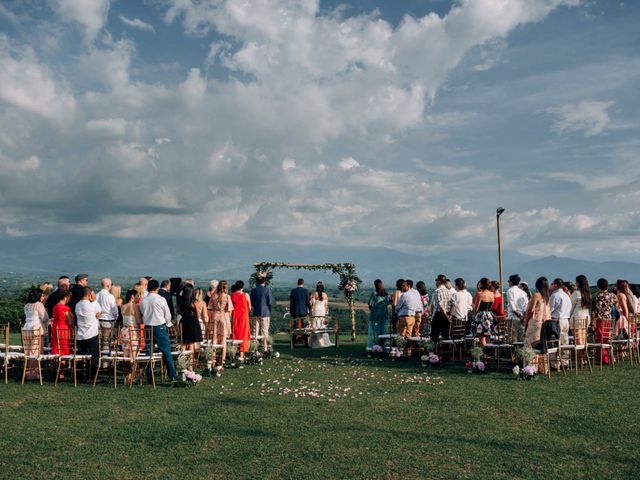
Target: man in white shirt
(406,308)
(108,305)
(462,300)
(87,320)
(517,302)
(156,314)
(442,301)
(560,306)
(416,300)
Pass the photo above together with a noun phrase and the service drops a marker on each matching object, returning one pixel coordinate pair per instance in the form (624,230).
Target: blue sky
(401,124)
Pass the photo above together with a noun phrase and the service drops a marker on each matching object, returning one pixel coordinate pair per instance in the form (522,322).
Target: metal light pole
(499,212)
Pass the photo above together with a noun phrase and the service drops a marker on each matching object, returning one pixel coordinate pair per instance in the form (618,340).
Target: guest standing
(107,304)
(378,313)
(394,301)
(261,302)
(484,320)
(156,314)
(442,303)
(61,326)
(537,312)
(191,328)
(560,308)
(87,319)
(222,307)
(131,321)
(36,319)
(406,308)
(77,290)
(241,307)
(603,304)
(622,325)
(424,297)
(498,307)
(580,308)
(63,286)
(462,301)
(165,292)
(517,301)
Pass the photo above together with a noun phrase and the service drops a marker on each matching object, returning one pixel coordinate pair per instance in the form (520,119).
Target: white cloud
(288,164)
(19,167)
(30,85)
(588,116)
(90,14)
(137,23)
(110,127)
(348,163)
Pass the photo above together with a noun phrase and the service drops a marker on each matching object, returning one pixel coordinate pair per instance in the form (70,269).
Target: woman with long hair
(241,307)
(131,320)
(222,307)
(378,313)
(622,325)
(484,321)
(319,310)
(498,307)
(191,331)
(580,308)
(36,322)
(201,306)
(394,300)
(537,313)
(524,286)
(421,287)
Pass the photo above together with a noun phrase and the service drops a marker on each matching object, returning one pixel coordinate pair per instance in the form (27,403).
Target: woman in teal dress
(379,313)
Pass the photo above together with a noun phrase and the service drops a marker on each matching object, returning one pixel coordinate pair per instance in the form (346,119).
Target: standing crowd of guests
(412,313)
(222,313)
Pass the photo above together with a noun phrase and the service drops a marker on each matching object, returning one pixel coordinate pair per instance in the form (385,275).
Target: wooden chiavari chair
(456,340)
(579,327)
(32,346)
(8,356)
(499,341)
(552,347)
(108,353)
(625,345)
(607,329)
(67,342)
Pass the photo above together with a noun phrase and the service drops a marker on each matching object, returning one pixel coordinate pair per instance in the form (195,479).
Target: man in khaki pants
(406,308)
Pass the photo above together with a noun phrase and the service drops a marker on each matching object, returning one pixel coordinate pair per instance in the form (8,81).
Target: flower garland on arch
(349,280)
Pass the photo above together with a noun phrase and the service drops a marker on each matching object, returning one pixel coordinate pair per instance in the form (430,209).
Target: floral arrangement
(395,352)
(526,355)
(209,356)
(527,373)
(430,359)
(189,377)
(477,365)
(377,350)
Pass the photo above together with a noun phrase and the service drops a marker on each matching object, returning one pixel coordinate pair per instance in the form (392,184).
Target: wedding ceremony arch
(349,280)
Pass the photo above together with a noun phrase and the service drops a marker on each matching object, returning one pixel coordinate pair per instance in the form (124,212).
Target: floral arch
(349,280)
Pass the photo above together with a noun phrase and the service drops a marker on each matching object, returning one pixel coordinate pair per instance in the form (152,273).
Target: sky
(366,123)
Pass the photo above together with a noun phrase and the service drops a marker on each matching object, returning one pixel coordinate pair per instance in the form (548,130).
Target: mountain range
(99,255)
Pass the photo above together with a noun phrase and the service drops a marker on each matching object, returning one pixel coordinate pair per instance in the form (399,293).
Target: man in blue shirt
(261,301)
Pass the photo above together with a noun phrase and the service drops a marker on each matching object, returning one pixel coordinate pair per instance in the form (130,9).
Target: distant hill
(162,258)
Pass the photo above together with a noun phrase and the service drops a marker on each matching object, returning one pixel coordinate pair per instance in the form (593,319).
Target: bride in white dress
(319,309)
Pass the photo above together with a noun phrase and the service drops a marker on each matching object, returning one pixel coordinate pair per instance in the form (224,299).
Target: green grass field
(352,417)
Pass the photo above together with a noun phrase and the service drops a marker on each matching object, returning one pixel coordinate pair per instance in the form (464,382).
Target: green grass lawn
(353,417)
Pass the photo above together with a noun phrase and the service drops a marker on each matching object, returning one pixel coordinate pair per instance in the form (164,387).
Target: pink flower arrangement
(479,366)
(529,371)
(351,286)
(192,377)
(434,359)
(377,349)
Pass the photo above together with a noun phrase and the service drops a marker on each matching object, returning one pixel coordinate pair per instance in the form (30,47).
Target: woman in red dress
(498,307)
(241,307)
(61,327)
